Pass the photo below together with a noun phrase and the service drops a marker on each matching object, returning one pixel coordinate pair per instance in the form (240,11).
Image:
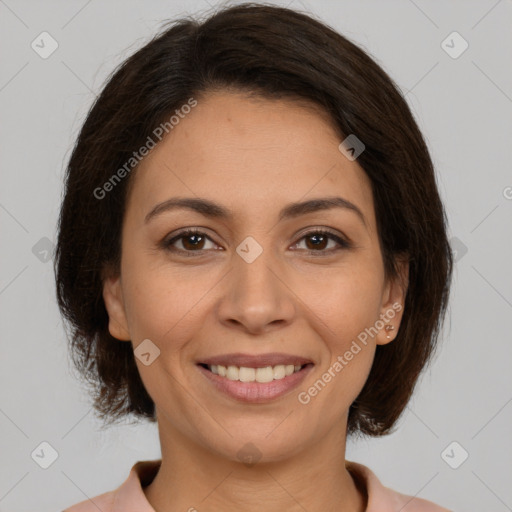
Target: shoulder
(103,502)
(384,499)
(128,497)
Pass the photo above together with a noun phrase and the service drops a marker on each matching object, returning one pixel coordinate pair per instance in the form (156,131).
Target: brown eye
(192,240)
(318,241)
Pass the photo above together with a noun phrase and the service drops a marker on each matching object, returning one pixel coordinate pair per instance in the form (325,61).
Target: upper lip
(255,361)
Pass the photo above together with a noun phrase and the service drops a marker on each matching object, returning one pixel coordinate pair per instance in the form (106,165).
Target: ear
(113,297)
(393,302)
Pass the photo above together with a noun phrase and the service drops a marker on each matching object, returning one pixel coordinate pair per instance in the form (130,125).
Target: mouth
(250,374)
(255,379)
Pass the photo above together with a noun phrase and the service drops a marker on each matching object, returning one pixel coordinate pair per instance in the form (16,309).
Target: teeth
(245,374)
(233,373)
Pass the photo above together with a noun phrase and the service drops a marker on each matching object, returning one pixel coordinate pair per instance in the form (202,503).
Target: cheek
(344,309)
(346,302)
(162,304)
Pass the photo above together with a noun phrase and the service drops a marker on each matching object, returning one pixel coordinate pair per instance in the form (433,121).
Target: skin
(253,156)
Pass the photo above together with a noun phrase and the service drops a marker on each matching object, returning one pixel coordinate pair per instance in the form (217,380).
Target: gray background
(463,106)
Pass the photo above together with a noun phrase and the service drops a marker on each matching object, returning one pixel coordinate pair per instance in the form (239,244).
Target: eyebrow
(214,210)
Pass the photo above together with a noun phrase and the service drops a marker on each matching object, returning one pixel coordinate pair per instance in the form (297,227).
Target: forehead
(251,154)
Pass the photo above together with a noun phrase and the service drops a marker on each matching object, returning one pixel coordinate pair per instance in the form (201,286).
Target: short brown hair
(272,52)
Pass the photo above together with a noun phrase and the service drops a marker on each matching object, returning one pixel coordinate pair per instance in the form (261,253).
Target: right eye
(192,240)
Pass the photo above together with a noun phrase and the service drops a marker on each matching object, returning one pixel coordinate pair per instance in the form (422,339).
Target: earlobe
(394,303)
(113,297)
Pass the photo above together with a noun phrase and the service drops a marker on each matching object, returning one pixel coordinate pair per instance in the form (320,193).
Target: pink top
(129,497)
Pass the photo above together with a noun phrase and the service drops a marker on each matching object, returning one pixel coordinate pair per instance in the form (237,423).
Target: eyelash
(343,244)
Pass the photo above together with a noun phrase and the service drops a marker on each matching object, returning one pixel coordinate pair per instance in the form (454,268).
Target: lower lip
(256,392)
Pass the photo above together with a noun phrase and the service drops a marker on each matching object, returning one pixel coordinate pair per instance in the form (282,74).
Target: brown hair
(273,52)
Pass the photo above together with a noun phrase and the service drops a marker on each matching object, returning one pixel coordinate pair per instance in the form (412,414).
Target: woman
(252,252)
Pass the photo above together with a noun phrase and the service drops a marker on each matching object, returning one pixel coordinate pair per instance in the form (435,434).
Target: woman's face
(257,286)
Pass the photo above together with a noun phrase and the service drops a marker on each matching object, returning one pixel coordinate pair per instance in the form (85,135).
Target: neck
(193,478)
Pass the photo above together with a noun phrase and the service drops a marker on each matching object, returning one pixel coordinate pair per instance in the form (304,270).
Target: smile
(246,374)
(254,385)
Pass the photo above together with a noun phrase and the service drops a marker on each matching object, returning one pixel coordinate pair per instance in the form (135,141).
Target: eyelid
(343,241)
(169,240)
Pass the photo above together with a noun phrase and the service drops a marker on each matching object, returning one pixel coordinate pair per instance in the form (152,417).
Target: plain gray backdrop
(462,100)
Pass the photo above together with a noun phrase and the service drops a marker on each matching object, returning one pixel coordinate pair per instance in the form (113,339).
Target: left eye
(320,239)
(193,241)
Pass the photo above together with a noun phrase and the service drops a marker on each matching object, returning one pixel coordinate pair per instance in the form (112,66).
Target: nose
(257,298)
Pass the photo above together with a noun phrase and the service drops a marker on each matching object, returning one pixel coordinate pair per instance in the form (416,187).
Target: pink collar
(130,497)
